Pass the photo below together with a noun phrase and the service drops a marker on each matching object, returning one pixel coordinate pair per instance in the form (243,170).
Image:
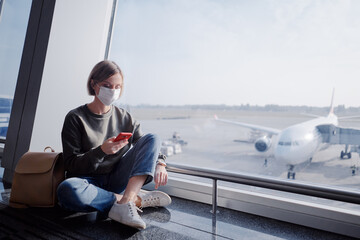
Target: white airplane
(298,143)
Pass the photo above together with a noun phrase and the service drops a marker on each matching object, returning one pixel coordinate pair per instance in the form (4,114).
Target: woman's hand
(110,147)
(161,176)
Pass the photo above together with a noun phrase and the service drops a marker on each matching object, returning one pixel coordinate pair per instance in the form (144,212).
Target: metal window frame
(111,29)
(1,8)
(28,85)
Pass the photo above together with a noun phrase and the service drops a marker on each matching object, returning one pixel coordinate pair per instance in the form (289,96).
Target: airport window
(14,16)
(202,74)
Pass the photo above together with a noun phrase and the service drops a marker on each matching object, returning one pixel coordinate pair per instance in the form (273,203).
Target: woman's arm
(161,176)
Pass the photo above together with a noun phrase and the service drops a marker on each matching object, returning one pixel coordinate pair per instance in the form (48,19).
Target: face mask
(107,96)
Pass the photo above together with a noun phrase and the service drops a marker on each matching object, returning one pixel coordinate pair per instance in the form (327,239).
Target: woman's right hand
(110,147)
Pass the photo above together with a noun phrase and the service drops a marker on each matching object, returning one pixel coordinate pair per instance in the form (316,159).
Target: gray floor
(183,219)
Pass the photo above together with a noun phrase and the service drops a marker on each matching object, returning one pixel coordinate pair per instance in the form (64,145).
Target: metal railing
(265,182)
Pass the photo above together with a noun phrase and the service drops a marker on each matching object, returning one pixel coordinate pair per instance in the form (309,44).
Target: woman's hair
(102,71)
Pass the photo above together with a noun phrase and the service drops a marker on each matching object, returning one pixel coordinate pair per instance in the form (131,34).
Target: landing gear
(291,172)
(291,175)
(345,153)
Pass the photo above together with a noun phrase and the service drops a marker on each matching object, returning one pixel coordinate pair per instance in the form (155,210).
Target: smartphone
(123,136)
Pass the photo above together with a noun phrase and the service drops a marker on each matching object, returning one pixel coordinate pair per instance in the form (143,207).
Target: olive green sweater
(83,133)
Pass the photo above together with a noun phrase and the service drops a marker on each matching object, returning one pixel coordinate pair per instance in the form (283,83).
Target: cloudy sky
(237,52)
(222,51)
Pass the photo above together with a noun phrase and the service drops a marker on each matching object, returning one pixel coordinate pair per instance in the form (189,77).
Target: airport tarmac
(222,146)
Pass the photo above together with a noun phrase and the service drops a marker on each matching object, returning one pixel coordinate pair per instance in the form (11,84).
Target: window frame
(313,215)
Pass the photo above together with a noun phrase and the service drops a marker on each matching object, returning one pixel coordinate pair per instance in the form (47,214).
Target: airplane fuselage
(298,143)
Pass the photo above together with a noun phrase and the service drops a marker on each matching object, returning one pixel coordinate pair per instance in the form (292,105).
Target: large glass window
(14,15)
(202,73)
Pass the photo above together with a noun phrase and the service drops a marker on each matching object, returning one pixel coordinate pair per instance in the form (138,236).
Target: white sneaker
(153,199)
(127,214)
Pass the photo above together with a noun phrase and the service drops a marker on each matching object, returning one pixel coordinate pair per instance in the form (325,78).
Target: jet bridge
(338,135)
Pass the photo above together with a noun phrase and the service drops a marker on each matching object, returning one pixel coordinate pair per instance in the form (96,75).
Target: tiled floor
(183,219)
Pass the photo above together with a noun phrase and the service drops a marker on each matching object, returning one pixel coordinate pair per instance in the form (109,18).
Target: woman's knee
(70,185)
(68,192)
(152,139)
(79,195)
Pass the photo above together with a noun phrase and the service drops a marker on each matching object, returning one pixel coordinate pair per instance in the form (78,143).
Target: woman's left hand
(161,176)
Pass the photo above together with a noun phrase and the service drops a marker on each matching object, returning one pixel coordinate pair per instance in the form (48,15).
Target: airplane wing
(348,117)
(338,135)
(270,131)
(310,115)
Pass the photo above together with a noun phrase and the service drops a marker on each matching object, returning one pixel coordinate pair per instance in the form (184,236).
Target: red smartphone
(123,136)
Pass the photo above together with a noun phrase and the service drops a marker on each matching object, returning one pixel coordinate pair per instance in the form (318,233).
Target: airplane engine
(263,144)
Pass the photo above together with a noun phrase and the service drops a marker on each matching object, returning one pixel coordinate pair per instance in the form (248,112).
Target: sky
(236,52)
(231,52)
(13,24)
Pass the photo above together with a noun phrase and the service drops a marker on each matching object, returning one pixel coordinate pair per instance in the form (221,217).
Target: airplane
(298,143)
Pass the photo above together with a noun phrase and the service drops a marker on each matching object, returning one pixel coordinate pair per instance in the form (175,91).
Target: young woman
(100,168)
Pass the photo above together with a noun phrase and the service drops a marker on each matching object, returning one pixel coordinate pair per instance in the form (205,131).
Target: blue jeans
(90,193)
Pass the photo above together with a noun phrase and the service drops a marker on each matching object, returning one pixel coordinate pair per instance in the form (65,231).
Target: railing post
(214,197)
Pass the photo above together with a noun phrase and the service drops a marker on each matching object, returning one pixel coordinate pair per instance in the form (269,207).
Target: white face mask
(107,96)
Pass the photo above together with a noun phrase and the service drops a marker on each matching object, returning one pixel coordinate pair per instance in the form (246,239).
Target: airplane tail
(331,112)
